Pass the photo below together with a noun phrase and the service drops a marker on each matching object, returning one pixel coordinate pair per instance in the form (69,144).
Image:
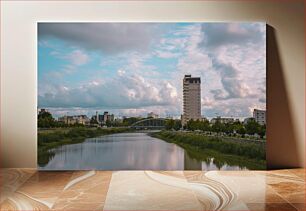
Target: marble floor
(29,189)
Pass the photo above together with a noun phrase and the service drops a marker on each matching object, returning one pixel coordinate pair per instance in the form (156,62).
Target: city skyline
(132,69)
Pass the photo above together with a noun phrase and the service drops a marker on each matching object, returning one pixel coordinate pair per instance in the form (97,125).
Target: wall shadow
(281,144)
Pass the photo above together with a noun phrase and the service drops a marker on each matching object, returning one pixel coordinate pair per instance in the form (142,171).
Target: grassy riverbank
(248,154)
(52,138)
(221,159)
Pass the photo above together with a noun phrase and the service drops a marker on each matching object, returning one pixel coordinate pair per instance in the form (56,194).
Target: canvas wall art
(151,96)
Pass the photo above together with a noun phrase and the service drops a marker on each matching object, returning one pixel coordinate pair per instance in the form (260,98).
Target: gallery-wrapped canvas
(151,96)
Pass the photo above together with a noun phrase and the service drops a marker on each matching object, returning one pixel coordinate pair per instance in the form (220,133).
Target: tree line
(46,120)
(235,127)
(200,142)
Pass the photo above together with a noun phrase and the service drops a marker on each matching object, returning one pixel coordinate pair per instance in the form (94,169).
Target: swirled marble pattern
(12,179)
(28,189)
(86,191)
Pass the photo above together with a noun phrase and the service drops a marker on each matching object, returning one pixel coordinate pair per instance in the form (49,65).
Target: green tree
(204,125)
(173,124)
(93,120)
(45,119)
(262,131)
(108,123)
(218,127)
(252,127)
(241,130)
(177,124)
(191,125)
(169,124)
(228,128)
(198,125)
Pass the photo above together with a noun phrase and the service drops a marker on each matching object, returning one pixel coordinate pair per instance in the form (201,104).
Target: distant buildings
(103,118)
(191,99)
(247,120)
(204,118)
(152,115)
(259,116)
(108,117)
(77,119)
(84,120)
(223,120)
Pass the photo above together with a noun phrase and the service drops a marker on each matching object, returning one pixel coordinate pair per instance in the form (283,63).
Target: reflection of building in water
(190,163)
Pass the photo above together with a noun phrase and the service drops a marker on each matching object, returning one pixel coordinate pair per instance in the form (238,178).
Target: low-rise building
(204,119)
(77,119)
(259,116)
(247,120)
(223,120)
(152,115)
(103,118)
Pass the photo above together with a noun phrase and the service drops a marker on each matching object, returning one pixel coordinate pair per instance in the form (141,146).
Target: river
(128,151)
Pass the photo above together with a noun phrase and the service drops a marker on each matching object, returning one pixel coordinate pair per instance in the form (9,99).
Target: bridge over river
(150,123)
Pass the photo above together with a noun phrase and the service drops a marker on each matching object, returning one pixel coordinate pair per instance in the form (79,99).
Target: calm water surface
(127,151)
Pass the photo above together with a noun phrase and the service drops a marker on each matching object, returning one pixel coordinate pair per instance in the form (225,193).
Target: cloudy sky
(130,69)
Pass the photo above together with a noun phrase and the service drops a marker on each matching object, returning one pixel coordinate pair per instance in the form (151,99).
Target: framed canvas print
(151,96)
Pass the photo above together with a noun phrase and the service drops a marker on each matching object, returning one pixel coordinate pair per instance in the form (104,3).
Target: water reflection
(127,151)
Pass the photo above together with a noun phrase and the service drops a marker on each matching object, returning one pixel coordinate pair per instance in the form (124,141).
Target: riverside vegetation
(252,154)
